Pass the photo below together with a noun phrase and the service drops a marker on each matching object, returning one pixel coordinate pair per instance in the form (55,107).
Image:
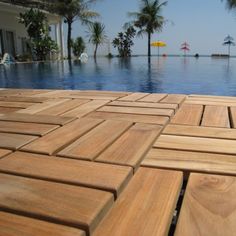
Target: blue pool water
(204,75)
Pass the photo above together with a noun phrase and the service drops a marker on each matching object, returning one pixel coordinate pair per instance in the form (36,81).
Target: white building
(13,35)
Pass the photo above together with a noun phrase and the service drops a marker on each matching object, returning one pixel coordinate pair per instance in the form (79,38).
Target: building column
(60,39)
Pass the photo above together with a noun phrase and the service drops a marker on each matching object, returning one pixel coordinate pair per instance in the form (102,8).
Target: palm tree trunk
(69,39)
(229,50)
(149,44)
(95,51)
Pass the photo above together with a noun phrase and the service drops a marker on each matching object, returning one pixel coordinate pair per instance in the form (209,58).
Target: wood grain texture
(210,103)
(154,97)
(15,225)
(65,204)
(133,97)
(4,152)
(5,110)
(188,115)
(196,144)
(15,104)
(191,161)
(26,128)
(174,98)
(137,110)
(146,205)
(15,141)
(144,104)
(63,107)
(216,116)
(58,139)
(111,178)
(158,120)
(208,206)
(42,119)
(131,147)
(86,108)
(90,145)
(24,99)
(200,131)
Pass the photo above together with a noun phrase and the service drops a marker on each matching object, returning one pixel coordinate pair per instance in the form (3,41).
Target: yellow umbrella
(158,44)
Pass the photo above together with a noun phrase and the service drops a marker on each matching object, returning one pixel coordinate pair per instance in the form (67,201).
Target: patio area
(116,163)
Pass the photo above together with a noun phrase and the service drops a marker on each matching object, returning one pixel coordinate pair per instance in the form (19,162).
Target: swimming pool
(204,75)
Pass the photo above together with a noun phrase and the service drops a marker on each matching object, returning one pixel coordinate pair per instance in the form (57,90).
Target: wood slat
(93,143)
(159,120)
(15,225)
(155,97)
(100,93)
(14,141)
(131,147)
(144,104)
(212,97)
(146,206)
(54,141)
(26,128)
(63,107)
(174,98)
(216,116)
(15,104)
(215,99)
(200,131)
(4,110)
(208,206)
(138,110)
(65,204)
(196,144)
(133,97)
(4,152)
(41,119)
(209,103)
(76,172)
(191,161)
(42,106)
(188,115)
(86,108)
(24,99)
(233,116)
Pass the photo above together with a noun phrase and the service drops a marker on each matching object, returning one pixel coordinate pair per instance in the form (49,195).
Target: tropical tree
(73,10)
(231,4)
(78,46)
(229,41)
(149,19)
(96,34)
(124,41)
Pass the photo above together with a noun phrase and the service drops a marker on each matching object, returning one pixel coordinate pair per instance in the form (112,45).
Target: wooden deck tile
(158,120)
(86,108)
(63,107)
(200,131)
(191,161)
(146,206)
(133,97)
(216,116)
(130,148)
(24,99)
(233,116)
(58,139)
(41,119)
(154,97)
(144,104)
(15,104)
(65,204)
(15,225)
(14,141)
(26,128)
(174,98)
(111,178)
(209,103)
(93,143)
(4,110)
(138,110)
(188,115)
(42,106)
(196,144)
(4,152)
(208,206)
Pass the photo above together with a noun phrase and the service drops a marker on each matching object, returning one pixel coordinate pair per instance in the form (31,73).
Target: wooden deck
(108,163)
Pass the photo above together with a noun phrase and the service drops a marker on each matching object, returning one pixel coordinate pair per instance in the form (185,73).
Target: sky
(202,23)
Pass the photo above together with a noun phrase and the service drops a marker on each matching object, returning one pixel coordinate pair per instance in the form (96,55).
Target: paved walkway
(113,163)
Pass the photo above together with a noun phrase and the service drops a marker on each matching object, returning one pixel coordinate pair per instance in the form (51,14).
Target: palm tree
(149,19)
(96,35)
(230,42)
(73,10)
(231,4)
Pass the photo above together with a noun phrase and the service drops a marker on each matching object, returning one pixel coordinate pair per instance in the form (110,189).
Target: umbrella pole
(158,51)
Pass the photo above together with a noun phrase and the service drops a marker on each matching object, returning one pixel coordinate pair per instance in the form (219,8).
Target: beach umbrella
(158,44)
(230,42)
(185,47)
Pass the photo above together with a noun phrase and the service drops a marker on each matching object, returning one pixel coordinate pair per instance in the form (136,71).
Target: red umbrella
(185,47)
